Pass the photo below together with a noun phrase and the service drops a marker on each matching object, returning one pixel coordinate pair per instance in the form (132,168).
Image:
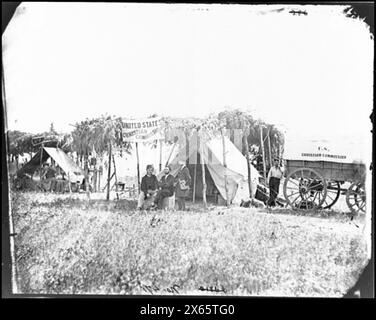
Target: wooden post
(95,178)
(138,168)
(263,153)
(245,139)
(69,184)
(109,172)
(270,151)
(225,166)
(41,161)
(116,184)
(186,145)
(160,155)
(112,175)
(202,160)
(87,176)
(99,181)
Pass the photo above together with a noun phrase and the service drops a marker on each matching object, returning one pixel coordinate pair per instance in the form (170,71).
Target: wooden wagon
(312,183)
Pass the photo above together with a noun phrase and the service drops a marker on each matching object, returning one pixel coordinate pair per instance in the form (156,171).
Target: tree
(13,142)
(20,143)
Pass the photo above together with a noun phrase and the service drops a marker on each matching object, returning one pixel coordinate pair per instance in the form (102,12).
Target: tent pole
(245,139)
(270,151)
(263,153)
(225,166)
(160,155)
(194,182)
(202,160)
(195,173)
(109,172)
(41,162)
(169,157)
(138,168)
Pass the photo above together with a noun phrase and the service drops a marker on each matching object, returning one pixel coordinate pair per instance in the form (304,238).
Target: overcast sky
(311,73)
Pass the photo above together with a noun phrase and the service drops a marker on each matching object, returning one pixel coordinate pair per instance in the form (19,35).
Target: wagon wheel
(305,189)
(333,189)
(356,197)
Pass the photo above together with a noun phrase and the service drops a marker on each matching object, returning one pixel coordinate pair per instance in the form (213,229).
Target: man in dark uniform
(274,179)
(149,187)
(166,187)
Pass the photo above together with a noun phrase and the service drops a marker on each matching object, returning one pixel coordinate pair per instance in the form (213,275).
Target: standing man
(149,187)
(166,187)
(182,185)
(274,178)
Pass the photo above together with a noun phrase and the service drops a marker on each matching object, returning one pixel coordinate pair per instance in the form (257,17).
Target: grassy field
(68,245)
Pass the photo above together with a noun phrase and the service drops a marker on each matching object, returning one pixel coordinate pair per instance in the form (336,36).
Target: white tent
(236,170)
(74,172)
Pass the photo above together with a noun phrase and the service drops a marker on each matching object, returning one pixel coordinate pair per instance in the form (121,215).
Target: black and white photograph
(205,150)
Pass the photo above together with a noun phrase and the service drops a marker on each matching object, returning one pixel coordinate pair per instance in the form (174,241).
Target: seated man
(166,187)
(47,182)
(45,168)
(149,186)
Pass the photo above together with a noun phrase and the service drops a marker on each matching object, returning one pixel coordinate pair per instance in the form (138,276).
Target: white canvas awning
(339,149)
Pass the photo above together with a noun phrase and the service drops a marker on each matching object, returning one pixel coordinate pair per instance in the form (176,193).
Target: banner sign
(141,130)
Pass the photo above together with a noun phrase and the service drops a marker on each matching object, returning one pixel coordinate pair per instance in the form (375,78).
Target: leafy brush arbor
(98,134)
(237,119)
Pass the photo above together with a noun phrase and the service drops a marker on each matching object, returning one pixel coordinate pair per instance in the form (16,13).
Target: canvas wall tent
(60,157)
(236,171)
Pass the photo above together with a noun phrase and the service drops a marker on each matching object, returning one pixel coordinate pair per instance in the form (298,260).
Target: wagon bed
(317,184)
(330,170)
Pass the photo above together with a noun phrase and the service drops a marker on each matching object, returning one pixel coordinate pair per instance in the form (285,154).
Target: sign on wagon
(141,130)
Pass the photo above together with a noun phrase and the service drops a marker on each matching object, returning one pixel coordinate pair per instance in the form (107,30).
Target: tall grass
(67,246)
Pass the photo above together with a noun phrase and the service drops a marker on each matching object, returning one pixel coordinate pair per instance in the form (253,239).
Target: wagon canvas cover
(341,150)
